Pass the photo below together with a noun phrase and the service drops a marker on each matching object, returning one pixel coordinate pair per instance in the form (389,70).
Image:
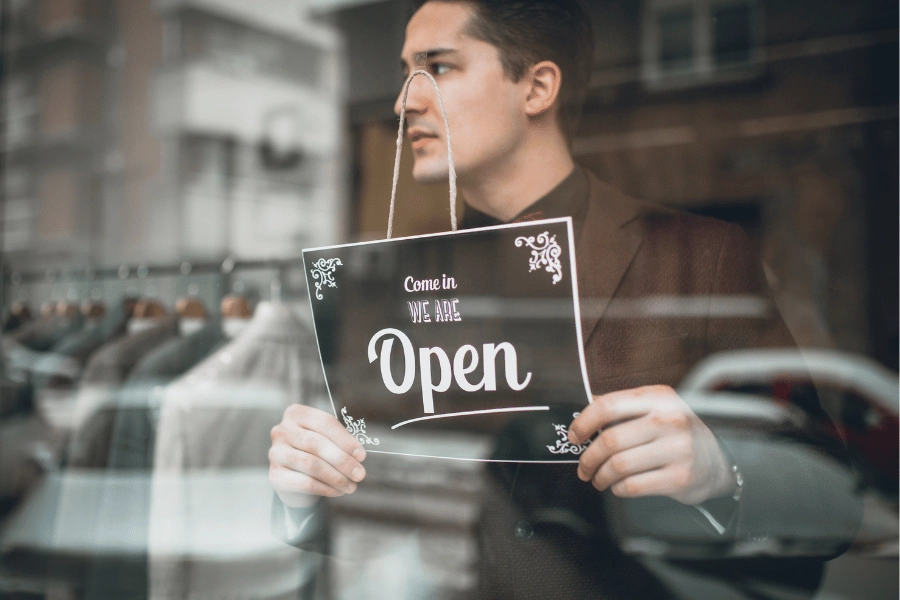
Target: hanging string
(452,168)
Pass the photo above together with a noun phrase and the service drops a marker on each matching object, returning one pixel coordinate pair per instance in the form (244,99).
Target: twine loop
(452,168)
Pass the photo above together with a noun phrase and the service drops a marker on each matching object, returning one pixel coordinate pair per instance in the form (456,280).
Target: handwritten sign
(429,339)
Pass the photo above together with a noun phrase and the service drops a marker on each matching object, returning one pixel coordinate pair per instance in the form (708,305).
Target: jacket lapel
(604,251)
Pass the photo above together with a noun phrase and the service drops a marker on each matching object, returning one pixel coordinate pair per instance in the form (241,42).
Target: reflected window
(57,198)
(55,14)
(676,38)
(694,42)
(17,218)
(732,35)
(21,108)
(240,48)
(208,164)
(58,91)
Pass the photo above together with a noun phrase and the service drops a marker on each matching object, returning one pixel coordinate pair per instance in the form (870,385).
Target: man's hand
(651,444)
(312,454)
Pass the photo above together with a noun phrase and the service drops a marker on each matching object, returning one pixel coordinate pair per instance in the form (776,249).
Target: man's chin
(427,174)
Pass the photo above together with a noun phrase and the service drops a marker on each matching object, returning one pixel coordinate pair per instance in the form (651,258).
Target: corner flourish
(545,252)
(357,429)
(563,445)
(323,272)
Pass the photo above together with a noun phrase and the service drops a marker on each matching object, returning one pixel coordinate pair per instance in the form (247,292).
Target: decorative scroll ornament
(357,429)
(323,273)
(563,445)
(545,252)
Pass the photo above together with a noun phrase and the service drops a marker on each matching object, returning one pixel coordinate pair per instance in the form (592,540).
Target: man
(513,75)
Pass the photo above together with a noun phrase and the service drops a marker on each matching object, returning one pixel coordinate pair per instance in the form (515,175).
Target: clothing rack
(223,273)
(143,271)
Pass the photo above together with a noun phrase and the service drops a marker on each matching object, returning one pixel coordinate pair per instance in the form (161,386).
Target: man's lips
(419,137)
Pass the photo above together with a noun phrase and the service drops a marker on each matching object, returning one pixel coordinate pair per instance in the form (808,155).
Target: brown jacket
(659,291)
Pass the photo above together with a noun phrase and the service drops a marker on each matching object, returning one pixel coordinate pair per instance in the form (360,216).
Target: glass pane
(239,47)
(733,36)
(186,370)
(676,48)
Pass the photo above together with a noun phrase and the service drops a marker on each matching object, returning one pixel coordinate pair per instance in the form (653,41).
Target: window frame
(703,69)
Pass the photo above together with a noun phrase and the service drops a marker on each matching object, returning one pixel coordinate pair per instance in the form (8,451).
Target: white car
(860,396)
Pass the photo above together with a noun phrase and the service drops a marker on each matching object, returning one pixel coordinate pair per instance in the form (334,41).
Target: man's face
(484,107)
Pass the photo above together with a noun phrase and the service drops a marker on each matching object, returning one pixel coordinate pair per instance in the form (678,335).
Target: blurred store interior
(178,153)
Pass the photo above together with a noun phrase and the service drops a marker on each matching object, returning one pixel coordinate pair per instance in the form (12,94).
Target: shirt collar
(568,199)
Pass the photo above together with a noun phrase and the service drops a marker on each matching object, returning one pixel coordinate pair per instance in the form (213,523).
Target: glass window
(59,13)
(732,34)
(58,201)
(21,108)
(700,274)
(59,98)
(207,164)
(241,48)
(17,224)
(676,29)
(693,42)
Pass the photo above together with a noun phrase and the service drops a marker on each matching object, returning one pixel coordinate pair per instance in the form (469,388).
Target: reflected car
(860,395)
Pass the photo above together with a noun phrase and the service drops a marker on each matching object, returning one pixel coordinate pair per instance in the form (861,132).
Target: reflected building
(161,131)
(54,125)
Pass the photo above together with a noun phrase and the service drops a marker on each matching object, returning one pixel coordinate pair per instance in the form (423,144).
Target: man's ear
(546,79)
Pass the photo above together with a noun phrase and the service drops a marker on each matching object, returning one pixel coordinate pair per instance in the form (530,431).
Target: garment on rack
(24,352)
(131,450)
(135,425)
(97,401)
(43,334)
(63,365)
(273,362)
(15,321)
(113,362)
(15,397)
(178,355)
(24,348)
(209,531)
(83,344)
(27,443)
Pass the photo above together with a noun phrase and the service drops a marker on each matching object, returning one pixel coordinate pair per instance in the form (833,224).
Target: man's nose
(418,98)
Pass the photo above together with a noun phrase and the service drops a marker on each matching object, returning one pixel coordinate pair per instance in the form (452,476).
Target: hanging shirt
(97,401)
(211,496)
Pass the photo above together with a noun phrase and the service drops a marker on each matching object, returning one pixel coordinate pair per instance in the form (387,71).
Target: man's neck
(505,190)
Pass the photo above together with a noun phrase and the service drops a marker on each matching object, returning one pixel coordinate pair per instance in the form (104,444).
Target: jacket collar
(604,251)
(605,245)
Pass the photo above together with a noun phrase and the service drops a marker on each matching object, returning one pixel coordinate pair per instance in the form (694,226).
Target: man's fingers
(312,466)
(613,407)
(629,463)
(318,445)
(290,483)
(659,482)
(325,424)
(613,440)
(313,454)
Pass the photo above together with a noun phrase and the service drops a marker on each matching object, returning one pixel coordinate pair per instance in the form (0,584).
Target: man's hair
(527,32)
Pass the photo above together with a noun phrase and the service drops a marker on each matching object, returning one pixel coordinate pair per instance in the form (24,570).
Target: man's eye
(439,68)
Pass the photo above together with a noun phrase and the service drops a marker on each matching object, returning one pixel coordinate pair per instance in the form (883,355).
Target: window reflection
(676,38)
(165,162)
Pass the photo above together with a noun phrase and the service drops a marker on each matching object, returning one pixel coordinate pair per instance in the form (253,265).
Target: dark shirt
(113,362)
(568,199)
(178,355)
(82,344)
(42,335)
